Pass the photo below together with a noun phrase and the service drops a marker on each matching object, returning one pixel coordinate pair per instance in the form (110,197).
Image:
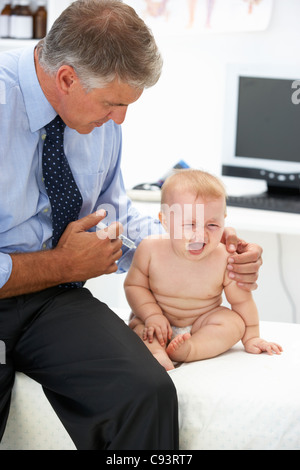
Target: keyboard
(268,202)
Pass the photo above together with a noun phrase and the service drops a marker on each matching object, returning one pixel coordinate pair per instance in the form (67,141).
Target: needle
(129,243)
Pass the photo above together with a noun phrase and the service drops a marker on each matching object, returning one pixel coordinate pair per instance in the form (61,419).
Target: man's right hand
(78,256)
(85,253)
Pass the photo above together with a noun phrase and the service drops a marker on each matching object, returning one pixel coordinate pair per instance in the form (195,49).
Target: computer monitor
(262,125)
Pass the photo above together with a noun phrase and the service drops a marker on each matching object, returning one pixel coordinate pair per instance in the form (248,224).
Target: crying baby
(176,281)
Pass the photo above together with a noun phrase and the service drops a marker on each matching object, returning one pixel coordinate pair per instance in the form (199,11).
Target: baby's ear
(162,219)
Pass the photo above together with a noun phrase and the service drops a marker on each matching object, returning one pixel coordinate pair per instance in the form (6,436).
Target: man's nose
(118,114)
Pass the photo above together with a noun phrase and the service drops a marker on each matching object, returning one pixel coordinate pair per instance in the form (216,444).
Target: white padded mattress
(243,401)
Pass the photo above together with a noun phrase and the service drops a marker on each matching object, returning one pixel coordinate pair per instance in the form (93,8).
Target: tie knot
(55,129)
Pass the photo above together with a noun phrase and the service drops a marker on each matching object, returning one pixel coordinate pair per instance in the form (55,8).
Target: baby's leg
(211,336)
(158,351)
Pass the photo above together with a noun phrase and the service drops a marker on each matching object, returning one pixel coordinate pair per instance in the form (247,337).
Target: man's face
(84,111)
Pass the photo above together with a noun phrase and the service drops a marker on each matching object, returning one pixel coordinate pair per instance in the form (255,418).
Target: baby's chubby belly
(184,311)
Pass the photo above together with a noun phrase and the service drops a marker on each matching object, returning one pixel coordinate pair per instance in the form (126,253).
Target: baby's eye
(213,226)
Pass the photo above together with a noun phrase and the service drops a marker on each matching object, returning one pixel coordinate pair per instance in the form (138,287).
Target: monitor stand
(282,191)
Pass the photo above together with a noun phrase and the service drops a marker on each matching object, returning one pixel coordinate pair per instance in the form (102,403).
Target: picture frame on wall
(204,16)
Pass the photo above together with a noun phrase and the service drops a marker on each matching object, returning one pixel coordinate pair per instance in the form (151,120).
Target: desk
(263,221)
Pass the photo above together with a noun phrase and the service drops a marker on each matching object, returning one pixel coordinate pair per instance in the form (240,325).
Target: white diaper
(180,331)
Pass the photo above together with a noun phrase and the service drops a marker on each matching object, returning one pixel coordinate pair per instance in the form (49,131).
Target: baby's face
(195,225)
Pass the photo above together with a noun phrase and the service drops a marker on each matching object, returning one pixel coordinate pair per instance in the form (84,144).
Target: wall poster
(204,16)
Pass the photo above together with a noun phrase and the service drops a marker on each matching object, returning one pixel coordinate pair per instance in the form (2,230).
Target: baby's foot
(179,348)
(164,360)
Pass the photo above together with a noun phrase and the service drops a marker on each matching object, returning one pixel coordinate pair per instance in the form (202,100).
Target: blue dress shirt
(25,211)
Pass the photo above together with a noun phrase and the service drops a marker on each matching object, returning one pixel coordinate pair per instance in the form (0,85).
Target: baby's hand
(157,324)
(259,345)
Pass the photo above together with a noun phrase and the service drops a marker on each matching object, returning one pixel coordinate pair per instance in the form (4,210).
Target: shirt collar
(39,110)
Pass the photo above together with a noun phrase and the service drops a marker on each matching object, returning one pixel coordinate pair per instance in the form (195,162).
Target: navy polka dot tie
(63,193)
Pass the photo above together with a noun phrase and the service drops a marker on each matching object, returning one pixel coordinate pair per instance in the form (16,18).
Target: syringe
(129,243)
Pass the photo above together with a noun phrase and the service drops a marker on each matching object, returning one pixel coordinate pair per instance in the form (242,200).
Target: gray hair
(102,40)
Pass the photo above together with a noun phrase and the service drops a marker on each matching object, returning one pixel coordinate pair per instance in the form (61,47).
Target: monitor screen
(262,126)
(267,120)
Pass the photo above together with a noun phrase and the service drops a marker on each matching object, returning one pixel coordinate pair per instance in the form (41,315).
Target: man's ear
(66,78)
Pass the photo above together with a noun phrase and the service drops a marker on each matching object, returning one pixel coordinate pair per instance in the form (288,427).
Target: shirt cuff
(5,268)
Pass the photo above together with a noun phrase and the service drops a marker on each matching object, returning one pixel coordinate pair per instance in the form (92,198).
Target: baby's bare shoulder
(151,242)
(221,251)
(154,240)
(158,236)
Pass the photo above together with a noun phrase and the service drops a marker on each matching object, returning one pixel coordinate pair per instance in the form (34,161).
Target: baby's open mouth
(196,246)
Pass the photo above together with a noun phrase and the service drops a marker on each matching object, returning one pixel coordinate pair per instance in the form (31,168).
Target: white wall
(181,116)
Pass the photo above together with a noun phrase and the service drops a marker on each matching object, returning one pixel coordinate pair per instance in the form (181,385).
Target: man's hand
(244,262)
(78,256)
(85,253)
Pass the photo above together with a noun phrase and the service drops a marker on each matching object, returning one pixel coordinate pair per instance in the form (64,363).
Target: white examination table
(234,401)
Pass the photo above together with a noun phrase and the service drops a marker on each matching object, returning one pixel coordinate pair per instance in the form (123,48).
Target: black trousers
(101,380)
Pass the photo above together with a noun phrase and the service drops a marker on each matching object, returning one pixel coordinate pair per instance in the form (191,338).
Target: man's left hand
(245,260)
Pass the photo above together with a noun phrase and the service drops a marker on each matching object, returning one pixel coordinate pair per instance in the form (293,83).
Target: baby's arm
(141,298)
(242,303)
